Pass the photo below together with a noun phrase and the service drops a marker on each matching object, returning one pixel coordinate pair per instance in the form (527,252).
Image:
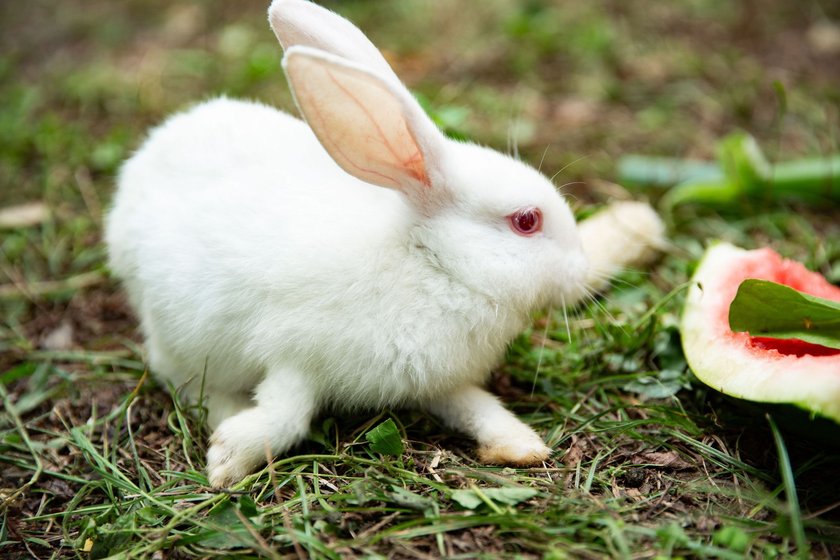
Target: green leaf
(764,308)
(225,531)
(467,499)
(707,191)
(743,163)
(731,537)
(18,372)
(248,506)
(385,439)
(510,495)
(410,500)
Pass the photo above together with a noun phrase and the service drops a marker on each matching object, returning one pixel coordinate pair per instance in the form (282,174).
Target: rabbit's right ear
(372,127)
(303,23)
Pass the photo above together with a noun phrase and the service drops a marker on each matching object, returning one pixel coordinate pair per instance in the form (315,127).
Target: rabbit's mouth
(569,285)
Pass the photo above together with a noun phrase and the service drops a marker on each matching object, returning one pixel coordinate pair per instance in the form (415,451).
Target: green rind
(723,361)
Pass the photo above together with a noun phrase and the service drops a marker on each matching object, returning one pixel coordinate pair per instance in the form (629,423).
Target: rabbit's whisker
(542,350)
(571,163)
(542,159)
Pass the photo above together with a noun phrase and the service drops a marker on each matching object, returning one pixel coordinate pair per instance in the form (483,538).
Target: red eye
(527,221)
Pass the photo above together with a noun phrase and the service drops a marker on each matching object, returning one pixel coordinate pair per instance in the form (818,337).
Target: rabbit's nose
(576,273)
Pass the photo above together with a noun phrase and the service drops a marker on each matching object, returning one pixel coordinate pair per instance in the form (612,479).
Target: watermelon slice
(754,368)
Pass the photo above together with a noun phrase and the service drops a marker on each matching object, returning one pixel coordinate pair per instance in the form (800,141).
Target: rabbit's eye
(527,221)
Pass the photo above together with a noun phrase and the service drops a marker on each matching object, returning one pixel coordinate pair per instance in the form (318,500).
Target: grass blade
(790,493)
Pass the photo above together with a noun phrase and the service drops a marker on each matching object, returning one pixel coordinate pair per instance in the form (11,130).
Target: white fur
(283,284)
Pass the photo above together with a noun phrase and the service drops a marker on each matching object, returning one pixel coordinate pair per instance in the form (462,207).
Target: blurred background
(581,82)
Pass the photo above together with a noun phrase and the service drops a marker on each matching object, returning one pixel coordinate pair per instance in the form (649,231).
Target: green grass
(97,460)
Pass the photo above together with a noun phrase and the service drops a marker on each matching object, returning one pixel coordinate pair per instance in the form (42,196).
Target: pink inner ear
(368,124)
(416,167)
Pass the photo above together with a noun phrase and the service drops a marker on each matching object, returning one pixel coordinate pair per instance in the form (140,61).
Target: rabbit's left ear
(372,127)
(303,23)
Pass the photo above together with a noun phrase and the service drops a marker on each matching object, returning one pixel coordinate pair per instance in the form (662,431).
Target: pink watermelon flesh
(757,368)
(766,264)
(791,346)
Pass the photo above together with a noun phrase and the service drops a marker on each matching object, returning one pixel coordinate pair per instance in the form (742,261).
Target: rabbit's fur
(355,261)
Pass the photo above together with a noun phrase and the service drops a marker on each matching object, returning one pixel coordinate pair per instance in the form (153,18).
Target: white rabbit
(358,260)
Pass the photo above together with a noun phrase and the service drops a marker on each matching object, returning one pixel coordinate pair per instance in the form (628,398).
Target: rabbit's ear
(303,23)
(373,128)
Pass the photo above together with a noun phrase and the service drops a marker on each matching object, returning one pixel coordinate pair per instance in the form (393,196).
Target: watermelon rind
(727,361)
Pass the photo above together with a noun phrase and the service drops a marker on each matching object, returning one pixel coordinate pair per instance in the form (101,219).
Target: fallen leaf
(667,459)
(23,215)
(574,454)
(61,338)
(385,439)
(824,38)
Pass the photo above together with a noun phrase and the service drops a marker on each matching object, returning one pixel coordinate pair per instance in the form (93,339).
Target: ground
(98,460)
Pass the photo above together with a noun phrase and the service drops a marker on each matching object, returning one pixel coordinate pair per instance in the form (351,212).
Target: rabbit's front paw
(225,465)
(514,450)
(252,437)
(234,453)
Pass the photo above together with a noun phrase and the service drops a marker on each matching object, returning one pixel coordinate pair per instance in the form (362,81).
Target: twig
(89,196)
(33,290)
(261,542)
